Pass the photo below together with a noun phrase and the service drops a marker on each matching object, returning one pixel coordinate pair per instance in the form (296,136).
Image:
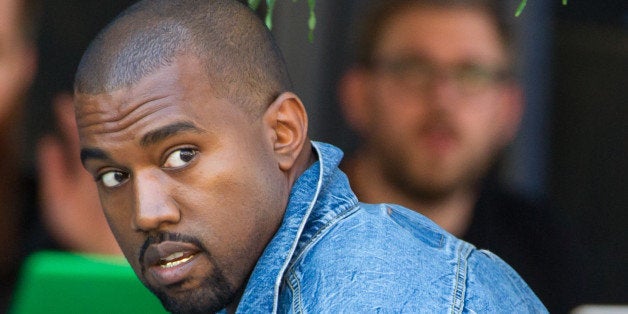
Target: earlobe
(287,119)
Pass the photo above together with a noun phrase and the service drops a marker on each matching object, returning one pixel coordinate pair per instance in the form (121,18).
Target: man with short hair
(434,100)
(219,200)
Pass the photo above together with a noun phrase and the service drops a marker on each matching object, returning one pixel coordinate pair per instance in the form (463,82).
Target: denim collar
(262,291)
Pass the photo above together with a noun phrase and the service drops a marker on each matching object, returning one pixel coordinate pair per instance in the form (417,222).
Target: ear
(512,112)
(287,119)
(353,96)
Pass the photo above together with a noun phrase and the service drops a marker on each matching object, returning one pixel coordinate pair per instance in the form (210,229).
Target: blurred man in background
(18,61)
(434,98)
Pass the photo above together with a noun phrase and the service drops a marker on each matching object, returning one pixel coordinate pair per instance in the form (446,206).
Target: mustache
(168,236)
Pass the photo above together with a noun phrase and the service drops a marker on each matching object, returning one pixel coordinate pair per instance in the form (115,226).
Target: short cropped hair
(240,57)
(380,12)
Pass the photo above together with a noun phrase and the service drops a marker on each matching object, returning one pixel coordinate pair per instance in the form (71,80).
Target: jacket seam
(460,281)
(295,287)
(343,214)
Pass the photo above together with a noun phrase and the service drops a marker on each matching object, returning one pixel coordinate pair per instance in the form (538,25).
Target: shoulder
(386,256)
(370,258)
(386,228)
(492,285)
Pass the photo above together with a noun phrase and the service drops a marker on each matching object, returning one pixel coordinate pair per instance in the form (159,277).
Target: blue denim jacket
(333,254)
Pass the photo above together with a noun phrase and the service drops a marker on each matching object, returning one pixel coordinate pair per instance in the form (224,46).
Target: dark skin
(171,159)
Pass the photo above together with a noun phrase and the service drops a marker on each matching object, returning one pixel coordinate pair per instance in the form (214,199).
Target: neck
(452,211)
(305,159)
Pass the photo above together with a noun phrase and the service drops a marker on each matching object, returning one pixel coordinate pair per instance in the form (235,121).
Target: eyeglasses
(416,74)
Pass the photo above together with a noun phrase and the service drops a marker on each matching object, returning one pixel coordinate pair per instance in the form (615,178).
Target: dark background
(589,136)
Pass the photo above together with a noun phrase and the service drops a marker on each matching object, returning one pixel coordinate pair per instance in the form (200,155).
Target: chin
(213,295)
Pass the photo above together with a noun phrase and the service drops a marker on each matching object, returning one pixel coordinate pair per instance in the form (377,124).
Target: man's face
(437,107)
(17,60)
(188,182)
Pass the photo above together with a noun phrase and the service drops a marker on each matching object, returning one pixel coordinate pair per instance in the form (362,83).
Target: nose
(154,206)
(442,92)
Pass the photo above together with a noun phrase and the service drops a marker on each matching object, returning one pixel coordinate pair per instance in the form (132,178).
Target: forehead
(441,32)
(179,91)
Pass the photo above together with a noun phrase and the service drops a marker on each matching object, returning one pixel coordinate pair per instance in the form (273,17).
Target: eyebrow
(93,153)
(147,139)
(167,131)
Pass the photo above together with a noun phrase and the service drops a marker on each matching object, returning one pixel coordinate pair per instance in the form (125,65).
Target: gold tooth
(176,262)
(172,257)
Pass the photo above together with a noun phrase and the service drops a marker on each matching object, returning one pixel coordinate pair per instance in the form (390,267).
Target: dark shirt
(536,240)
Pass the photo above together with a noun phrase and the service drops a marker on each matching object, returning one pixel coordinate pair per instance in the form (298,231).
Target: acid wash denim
(333,254)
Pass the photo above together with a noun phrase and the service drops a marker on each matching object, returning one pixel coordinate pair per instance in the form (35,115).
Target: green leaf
(311,22)
(521,6)
(254,4)
(269,14)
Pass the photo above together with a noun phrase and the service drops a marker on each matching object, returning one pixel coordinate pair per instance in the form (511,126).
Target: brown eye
(113,179)
(180,158)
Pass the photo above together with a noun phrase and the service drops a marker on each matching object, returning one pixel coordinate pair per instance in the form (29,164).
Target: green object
(269,13)
(311,22)
(60,282)
(254,4)
(270,7)
(522,6)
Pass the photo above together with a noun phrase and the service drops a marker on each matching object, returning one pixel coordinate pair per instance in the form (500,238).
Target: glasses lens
(473,78)
(409,72)
(416,74)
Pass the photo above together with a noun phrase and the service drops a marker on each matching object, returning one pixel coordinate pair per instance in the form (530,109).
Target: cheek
(115,226)
(481,127)
(119,219)
(230,194)
(236,210)
(395,114)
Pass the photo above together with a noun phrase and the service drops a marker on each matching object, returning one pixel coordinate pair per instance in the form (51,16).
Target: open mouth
(170,262)
(175,259)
